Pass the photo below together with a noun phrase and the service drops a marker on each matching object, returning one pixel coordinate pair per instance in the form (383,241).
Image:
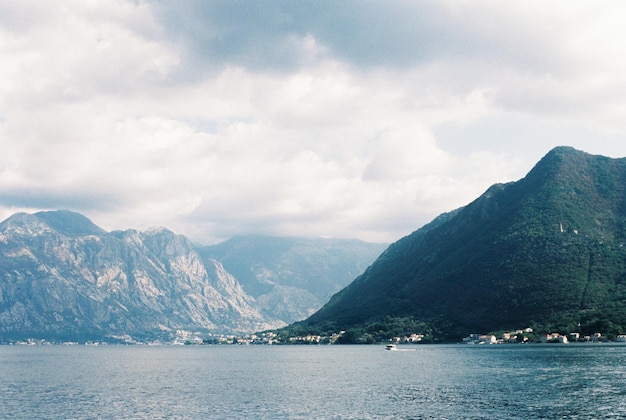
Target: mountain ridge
(64,278)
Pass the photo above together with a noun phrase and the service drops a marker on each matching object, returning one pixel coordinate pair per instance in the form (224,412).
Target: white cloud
(556,61)
(110,109)
(406,152)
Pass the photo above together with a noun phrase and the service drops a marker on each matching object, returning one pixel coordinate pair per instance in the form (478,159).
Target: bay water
(313,382)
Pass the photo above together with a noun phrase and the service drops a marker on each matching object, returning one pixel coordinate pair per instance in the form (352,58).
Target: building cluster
(480,339)
(316,339)
(520,336)
(413,338)
(247,339)
(576,337)
(193,338)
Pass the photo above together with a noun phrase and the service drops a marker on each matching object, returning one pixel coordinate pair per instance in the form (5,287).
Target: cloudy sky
(360,119)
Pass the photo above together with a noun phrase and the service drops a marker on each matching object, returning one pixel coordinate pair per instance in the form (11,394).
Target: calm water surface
(334,382)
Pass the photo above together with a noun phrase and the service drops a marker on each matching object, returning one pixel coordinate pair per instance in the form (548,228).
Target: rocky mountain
(290,278)
(64,278)
(547,251)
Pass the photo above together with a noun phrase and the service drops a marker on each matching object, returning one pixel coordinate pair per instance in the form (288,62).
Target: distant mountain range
(64,278)
(547,251)
(291,278)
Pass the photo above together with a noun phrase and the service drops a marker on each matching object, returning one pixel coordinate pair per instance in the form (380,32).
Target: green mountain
(546,251)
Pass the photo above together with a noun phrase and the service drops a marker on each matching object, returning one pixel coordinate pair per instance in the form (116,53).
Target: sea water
(321,382)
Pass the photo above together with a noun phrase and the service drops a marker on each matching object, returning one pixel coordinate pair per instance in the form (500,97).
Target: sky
(344,119)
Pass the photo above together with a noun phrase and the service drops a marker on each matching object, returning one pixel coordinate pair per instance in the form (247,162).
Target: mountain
(290,278)
(546,251)
(64,278)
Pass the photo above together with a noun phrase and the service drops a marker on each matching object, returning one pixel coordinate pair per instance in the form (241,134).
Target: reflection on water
(507,381)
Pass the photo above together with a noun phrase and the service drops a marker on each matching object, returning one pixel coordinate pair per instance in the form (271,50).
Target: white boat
(391,347)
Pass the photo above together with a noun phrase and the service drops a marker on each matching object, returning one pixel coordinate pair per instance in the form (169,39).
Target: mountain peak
(64,222)
(566,151)
(69,223)
(558,159)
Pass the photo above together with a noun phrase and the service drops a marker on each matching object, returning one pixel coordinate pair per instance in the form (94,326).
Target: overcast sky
(347,119)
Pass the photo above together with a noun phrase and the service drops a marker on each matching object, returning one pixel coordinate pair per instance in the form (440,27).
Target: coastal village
(513,337)
(524,336)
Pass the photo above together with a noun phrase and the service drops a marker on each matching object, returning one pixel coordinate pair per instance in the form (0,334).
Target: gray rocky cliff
(63,277)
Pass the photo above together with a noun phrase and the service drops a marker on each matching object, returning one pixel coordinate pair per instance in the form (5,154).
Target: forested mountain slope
(546,251)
